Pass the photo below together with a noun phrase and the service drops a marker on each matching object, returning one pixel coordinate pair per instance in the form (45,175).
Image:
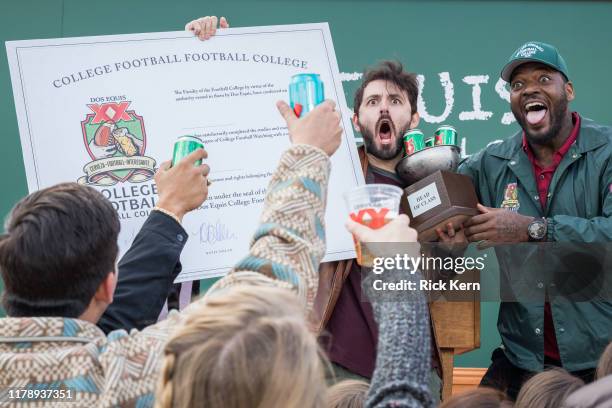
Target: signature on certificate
(211,233)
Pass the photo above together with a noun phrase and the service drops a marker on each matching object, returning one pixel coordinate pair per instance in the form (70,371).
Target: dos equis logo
(116,141)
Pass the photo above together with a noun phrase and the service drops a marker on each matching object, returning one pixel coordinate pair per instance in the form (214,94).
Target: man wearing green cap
(550,182)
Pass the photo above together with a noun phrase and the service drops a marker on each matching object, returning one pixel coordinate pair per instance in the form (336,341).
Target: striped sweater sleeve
(289,243)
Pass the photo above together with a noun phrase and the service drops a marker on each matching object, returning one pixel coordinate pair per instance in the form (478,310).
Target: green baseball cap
(534,51)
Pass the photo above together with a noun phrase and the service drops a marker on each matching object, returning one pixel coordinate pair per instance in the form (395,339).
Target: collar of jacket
(589,138)
(38,329)
(363,157)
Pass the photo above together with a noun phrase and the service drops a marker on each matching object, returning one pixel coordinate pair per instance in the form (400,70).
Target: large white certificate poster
(140,92)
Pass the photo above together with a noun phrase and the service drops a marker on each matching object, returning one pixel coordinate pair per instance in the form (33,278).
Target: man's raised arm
(149,267)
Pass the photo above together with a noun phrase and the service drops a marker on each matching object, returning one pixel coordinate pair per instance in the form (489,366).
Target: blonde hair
(348,394)
(248,346)
(604,367)
(547,389)
(481,397)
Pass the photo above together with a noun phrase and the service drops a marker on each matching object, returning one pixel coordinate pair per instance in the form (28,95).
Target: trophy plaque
(436,195)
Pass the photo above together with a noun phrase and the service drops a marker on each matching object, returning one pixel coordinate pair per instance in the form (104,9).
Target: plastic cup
(372,205)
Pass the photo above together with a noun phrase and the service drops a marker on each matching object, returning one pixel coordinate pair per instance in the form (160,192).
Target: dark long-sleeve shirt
(146,273)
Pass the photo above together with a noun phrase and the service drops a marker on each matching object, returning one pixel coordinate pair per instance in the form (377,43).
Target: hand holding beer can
(372,205)
(184,146)
(305,92)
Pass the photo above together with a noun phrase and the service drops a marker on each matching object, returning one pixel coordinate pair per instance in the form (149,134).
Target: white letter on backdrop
(477,113)
(449,98)
(500,88)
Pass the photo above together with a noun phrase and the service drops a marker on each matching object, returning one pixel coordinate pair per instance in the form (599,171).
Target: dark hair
(60,244)
(392,71)
(548,389)
(481,397)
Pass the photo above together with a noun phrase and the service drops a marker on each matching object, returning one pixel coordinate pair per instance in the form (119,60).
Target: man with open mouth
(385,107)
(550,182)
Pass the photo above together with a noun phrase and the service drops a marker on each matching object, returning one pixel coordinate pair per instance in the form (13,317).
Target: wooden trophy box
(438,199)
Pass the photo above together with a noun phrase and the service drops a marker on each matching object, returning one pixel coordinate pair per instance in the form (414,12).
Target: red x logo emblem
(113,112)
(377,217)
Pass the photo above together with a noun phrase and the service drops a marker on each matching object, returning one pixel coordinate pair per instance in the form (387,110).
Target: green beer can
(445,135)
(429,142)
(414,141)
(184,146)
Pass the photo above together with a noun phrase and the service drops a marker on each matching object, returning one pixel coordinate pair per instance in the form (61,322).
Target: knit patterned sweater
(403,358)
(121,369)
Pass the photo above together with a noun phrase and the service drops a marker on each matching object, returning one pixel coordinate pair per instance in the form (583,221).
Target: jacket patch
(511,201)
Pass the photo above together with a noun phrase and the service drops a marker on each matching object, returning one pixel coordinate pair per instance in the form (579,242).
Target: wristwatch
(537,230)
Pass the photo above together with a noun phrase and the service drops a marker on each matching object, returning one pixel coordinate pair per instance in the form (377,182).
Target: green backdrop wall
(452,44)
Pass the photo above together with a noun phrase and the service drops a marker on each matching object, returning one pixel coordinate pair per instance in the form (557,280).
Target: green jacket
(579,210)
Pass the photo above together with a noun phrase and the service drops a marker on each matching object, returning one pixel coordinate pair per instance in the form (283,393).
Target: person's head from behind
(547,389)
(482,397)
(385,107)
(58,255)
(246,346)
(347,394)
(604,367)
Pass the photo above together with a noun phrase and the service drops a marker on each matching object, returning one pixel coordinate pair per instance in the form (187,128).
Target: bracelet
(168,213)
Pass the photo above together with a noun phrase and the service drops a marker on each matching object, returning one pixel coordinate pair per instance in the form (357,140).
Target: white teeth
(534,104)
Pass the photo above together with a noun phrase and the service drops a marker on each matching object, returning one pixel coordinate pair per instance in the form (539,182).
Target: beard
(384,152)
(557,114)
